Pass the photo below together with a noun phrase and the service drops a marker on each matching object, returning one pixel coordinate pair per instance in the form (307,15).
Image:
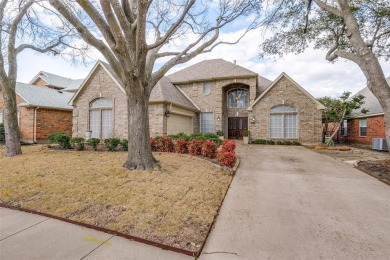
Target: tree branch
(328,8)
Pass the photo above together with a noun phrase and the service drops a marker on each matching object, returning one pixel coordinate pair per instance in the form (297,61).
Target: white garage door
(179,124)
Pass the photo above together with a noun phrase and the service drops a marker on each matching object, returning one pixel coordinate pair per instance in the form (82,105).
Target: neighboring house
(362,128)
(43,106)
(208,96)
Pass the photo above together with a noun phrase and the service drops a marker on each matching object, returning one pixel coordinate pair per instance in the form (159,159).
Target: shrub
(245,133)
(195,147)
(60,138)
(209,149)
(279,142)
(227,158)
(288,143)
(219,133)
(228,146)
(165,144)
(124,144)
(77,143)
(93,142)
(153,144)
(112,143)
(271,142)
(296,143)
(2,132)
(259,141)
(180,135)
(181,146)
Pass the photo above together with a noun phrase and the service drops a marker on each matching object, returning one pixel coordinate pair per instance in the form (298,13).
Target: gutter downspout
(35,125)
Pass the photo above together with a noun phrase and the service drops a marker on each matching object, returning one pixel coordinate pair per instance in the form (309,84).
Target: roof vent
(59,91)
(235,62)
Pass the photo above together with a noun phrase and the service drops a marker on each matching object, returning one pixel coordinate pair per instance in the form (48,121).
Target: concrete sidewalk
(28,236)
(292,203)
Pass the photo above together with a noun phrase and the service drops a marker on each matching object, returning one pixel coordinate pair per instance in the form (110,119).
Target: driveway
(292,203)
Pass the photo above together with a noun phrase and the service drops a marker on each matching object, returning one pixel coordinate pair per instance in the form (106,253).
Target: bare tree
(132,37)
(356,30)
(23,27)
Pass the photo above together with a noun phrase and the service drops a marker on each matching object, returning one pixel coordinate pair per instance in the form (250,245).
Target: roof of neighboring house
(51,79)
(164,91)
(284,75)
(371,103)
(36,96)
(262,84)
(209,70)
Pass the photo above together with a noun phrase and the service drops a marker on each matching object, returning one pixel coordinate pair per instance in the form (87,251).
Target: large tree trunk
(140,155)
(12,135)
(368,63)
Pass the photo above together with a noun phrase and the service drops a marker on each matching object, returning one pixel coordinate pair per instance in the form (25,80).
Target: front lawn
(174,205)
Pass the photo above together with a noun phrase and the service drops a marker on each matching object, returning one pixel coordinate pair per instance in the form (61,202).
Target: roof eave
(216,78)
(173,103)
(47,107)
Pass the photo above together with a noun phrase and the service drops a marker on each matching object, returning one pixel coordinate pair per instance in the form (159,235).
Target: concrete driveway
(292,203)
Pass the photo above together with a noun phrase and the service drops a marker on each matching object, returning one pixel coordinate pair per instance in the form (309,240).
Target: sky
(309,69)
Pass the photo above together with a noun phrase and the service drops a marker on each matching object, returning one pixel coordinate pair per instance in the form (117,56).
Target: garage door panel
(179,124)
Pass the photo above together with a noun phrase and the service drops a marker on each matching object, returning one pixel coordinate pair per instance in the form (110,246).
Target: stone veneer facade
(286,92)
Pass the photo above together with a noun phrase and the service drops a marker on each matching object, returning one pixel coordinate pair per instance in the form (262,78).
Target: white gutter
(35,125)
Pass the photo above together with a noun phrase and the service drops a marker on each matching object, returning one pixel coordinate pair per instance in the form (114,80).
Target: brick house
(43,106)
(208,96)
(362,128)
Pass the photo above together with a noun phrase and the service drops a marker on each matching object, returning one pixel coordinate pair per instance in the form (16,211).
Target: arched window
(238,98)
(1,116)
(283,122)
(100,118)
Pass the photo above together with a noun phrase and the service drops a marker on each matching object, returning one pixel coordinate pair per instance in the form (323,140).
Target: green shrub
(288,143)
(77,143)
(112,143)
(60,138)
(93,142)
(124,144)
(259,141)
(245,133)
(279,142)
(219,133)
(2,133)
(296,143)
(271,142)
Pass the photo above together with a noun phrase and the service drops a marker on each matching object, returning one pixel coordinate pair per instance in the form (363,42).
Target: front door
(236,125)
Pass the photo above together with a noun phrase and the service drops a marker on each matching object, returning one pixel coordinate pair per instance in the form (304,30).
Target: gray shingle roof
(164,90)
(208,70)
(371,103)
(262,84)
(43,97)
(66,84)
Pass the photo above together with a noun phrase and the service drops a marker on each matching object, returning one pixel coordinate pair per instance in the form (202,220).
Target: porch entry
(236,125)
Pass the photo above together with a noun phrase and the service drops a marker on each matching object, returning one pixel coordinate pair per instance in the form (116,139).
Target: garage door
(179,124)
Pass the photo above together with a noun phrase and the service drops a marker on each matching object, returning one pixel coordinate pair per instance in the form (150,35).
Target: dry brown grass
(174,205)
(332,148)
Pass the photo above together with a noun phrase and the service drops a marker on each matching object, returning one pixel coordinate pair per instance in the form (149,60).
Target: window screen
(206,88)
(207,122)
(363,127)
(283,122)
(106,124)
(94,123)
(344,130)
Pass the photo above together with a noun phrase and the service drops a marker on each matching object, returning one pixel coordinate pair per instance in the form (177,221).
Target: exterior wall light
(218,118)
(253,120)
(167,113)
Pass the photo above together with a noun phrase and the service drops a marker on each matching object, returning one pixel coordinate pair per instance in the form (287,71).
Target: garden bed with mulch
(379,169)
(174,205)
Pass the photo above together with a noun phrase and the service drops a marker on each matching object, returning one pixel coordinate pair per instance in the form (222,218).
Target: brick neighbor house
(208,96)
(362,128)
(43,106)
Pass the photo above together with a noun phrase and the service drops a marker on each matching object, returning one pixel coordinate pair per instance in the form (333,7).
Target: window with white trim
(363,127)
(207,122)
(100,118)
(238,98)
(207,88)
(344,128)
(283,122)
(1,116)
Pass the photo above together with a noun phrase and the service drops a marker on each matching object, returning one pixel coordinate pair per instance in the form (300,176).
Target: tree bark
(12,134)
(139,155)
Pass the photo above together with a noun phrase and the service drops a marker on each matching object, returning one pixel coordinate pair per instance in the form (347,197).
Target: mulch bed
(378,169)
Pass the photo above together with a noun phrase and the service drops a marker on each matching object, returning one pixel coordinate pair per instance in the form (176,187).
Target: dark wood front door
(236,126)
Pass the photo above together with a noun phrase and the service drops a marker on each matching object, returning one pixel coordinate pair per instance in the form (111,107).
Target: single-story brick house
(362,128)
(208,96)
(43,106)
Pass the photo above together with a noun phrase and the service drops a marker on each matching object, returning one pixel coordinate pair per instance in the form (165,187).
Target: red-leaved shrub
(165,144)
(181,146)
(227,158)
(228,146)
(209,149)
(195,147)
(153,144)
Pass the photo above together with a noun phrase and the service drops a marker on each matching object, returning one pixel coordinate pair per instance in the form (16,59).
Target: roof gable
(210,70)
(319,105)
(54,80)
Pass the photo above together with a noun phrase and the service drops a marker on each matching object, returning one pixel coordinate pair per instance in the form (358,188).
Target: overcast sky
(309,69)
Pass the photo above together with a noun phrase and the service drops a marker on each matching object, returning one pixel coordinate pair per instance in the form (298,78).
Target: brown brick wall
(285,92)
(375,129)
(101,85)
(39,82)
